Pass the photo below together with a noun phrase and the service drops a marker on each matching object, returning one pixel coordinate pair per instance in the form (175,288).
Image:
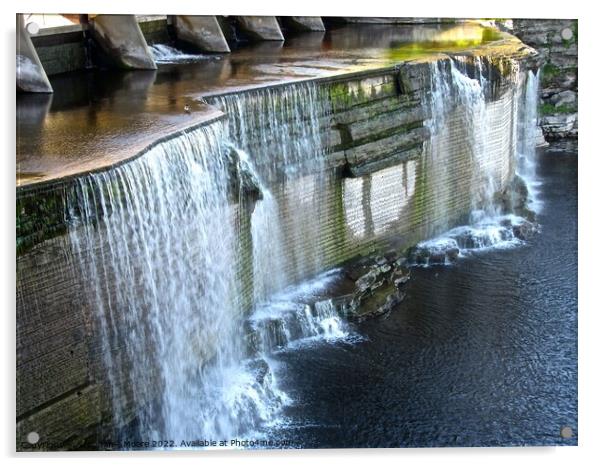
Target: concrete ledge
(61,30)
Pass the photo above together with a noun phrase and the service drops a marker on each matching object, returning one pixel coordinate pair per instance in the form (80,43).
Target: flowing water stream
(489,226)
(164,230)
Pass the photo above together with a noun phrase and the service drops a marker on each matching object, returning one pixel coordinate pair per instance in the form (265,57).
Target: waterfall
(451,91)
(298,315)
(529,133)
(278,135)
(455,96)
(157,239)
(279,129)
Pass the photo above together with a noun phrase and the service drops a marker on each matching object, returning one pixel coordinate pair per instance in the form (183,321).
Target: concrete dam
(164,255)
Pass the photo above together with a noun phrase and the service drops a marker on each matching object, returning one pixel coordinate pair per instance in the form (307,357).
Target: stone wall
(383,186)
(557,42)
(155,30)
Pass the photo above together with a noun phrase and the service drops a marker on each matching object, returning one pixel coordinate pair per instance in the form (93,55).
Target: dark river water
(481,353)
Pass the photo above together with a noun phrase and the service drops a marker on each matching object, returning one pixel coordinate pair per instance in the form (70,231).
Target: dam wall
(348,166)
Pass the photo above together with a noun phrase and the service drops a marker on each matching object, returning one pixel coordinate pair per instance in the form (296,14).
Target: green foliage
(550,109)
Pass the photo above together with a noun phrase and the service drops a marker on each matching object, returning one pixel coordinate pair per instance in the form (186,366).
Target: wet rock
(540,140)
(367,281)
(376,284)
(381,261)
(515,199)
(418,255)
(355,270)
(564,98)
(437,258)
(400,276)
(440,255)
(262,371)
(524,230)
(452,254)
(249,185)
(380,305)
(400,263)
(559,126)
(392,256)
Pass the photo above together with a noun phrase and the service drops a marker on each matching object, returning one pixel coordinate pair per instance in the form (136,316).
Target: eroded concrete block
(304,23)
(31,76)
(261,27)
(201,32)
(121,39)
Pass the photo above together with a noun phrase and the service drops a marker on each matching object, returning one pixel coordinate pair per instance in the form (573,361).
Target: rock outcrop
(556,41)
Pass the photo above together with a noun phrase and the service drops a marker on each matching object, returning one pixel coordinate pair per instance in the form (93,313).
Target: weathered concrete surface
(304,23)
(261,27)
(62,51)
(122,41)
(202,32)
(557,42)
(31,76)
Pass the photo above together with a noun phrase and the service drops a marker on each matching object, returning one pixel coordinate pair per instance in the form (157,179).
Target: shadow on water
(481,353)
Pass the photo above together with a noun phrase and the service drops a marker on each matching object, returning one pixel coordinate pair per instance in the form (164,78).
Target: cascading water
(163,231)
(279,129)
(529,132)
(489,226)
(160,229)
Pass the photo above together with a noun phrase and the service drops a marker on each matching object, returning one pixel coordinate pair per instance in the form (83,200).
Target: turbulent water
(163,53)
(159,241)
(163,232)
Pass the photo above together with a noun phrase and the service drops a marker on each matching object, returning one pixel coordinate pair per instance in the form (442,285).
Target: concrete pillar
(31,76)
(121,39)
(201,32)
(261,27)
(304,23)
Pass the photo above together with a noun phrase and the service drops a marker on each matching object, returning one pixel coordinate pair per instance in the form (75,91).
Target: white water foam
(164,54)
